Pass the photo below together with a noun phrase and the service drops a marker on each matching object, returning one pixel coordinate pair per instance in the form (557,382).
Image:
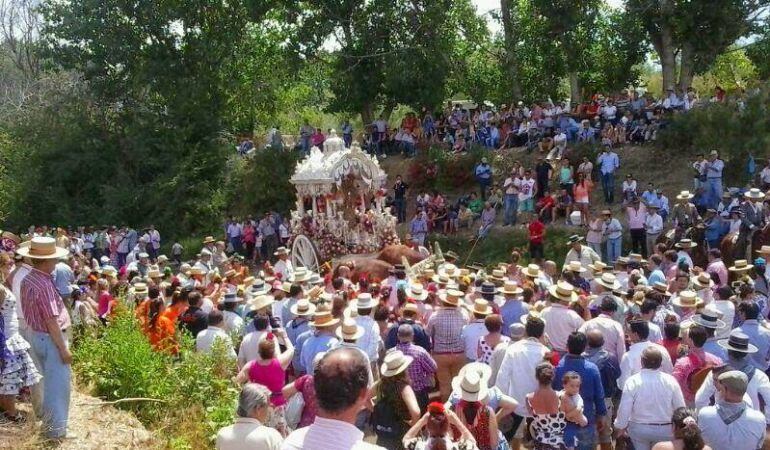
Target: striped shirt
(445,328)
(41,301)
(423,367)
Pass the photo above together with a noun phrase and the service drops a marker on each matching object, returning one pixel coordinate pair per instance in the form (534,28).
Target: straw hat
(740,265)
(471,387)
(449,270)
(636,257)
(686,243)
(42,248)
(141,288)
(754,194)
(410,308)
(702,281)
(575,266)
(609,281)
(417,292)
(300,275)
(109,271)
(531,314)
(441,279)
(428,273)
(260,302)
(230,273)
(349,331)
(765,250)
(324,319)
(598,266)
(738,342)
(481,307)
(563,291)
(303,308)
(687,299)
(532,270)
(661,288)
(281,251)
(365,301)
(573,239)
(685,195)
(232,297)
(154,272)
(497,275)
(510,288)
(451,297)
(394,363)
(708,318)
(259,287)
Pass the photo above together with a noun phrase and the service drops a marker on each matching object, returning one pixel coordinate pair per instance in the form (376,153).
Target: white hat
(563,291)
(303,308)
(349,330)
(42,248)
(260,302)
(394,363)
(365,301)
(609,281)
(417,292)
(471,386)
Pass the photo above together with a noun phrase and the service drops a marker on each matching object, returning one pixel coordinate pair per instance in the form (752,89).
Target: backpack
(386,423)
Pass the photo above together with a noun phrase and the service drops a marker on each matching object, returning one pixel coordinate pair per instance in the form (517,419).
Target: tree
(508,19)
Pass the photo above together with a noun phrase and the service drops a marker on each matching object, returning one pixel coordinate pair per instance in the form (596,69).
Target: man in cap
(715,228)
(649,399)
(283,266)
(583,254)
(752,219)
(709,318)
(560,320)
(513,307)
(730,423)
(371,341)
(684,215)
(320,338)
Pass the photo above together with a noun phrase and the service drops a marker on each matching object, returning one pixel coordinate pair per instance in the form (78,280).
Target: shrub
(439,169)
(197,396)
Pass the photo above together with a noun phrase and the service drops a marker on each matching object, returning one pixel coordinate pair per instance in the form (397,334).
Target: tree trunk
(509,33)
(667,58)
(388,110)
(686,69)
(574,88)
(367,114)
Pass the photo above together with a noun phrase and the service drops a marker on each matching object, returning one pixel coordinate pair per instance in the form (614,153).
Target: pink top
(104,303)
(305,386)
(271,376)
(687,366)
(719,268)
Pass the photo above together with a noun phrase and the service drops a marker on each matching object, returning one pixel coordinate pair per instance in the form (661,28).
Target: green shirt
(476,205)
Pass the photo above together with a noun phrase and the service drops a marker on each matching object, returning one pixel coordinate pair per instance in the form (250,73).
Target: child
(572,405)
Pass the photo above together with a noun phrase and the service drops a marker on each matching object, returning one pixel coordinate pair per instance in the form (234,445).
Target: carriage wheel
(304,253)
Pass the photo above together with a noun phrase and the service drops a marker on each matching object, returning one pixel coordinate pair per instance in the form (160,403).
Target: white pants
(645,437)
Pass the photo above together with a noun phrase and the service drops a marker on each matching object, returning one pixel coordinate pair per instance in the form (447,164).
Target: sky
(484,6)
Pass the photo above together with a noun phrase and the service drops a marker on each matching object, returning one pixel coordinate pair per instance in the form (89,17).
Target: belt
(656,424)
(449,353)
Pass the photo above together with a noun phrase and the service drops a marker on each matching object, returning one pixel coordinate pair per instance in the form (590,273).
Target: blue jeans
(613,249)
(598,249)
(608,186)
(305,145)
(713,191)
(56,385)
(410,150)
(586,437)
(400,206)
(511,209)
(348,139)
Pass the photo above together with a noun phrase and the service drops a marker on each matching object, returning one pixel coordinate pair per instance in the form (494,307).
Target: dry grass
(92,425)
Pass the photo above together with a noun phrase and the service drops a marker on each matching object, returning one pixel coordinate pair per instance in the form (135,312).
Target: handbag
(293,410)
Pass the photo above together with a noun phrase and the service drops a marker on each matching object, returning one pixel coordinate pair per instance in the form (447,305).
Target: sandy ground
(93,425)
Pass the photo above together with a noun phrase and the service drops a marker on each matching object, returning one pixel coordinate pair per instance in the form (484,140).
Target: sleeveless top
(548,429)
(271,376)
(487,350)
(480,429)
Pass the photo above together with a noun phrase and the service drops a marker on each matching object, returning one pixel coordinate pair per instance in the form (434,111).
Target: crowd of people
(645,353)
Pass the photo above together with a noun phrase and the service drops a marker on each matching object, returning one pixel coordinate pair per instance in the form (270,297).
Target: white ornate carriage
(340,205)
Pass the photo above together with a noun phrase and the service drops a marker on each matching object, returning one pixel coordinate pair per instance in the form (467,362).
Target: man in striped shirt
(445,328)
(48,322)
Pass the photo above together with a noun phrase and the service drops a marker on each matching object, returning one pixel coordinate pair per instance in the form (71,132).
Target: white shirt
(614,337)
(516,377)
(631,364)
(653,224)
(284,268)
(745,433)
(248,434)
(560,322)
(207,305)
(21,273)
(764,175)
(328,434)
(758,385)
(586,256)
(526,188)
(249,351)
(233,322)
(470,335)
(727,308)
(649,397)
(206,338)
(370,341)
(685,255)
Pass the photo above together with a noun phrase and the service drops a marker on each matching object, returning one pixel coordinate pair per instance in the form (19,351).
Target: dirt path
(93,425)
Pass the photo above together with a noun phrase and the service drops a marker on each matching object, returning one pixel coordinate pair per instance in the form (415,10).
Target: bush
(197,396)
(439,169)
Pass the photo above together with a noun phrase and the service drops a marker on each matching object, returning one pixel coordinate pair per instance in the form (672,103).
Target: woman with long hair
(396,406)
(686,433)
(160,330)
(582,192)
(474,412)
(17,371)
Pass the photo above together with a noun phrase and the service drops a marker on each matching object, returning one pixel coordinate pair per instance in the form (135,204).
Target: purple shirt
(423,367)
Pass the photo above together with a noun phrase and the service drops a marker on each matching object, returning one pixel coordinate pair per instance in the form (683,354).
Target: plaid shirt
(445,328)
(423,367)
(41,301)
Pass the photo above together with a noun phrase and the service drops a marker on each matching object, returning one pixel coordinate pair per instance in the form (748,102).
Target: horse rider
(752,220)
(684,215)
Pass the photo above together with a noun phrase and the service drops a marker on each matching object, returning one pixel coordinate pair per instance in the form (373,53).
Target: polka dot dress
(18,370)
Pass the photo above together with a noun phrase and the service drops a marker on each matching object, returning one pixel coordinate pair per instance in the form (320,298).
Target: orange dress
(141,312)
(163,336)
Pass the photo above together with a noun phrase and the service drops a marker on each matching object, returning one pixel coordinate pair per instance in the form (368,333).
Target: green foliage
(265,177)
(439,169)
(734,134)
(732,71)
(197,395)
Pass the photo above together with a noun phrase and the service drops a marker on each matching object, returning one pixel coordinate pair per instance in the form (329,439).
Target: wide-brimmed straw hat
(739,342)
(498,275)
(303,308)
(687,299)
(324,319)
(141,288)
(765,250)
(231,297)
(451,297)
(685,195)
(563,291)
(481,307)
(417,292)
(532,270)
(661,288)
(510,287)
(483,370)
(702,281)
(260,302)
(471,387)
(609,281)
(154,272)
(598,266)
(575,266)
(740,265)
(449,270)
(259,287)
(281,251)
(365,301)
(42,248)
(300,275)
(394,363)
(573,239)
(686,243)
(532,314)
(349,330)
(708,318)
(209,240)
(754,194)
